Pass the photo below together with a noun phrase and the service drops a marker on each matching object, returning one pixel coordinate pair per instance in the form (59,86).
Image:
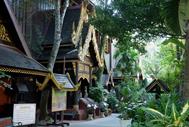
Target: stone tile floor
(110,121)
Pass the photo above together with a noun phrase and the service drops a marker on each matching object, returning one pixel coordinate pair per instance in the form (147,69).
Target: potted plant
(90,111)
(103,106)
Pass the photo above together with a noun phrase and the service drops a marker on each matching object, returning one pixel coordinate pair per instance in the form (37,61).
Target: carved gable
(4,35)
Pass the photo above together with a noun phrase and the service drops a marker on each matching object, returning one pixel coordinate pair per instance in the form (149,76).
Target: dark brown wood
(158,87)
(17,28)
(90,76)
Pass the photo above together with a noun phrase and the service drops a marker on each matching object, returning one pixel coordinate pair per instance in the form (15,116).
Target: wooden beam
(18,30)
(73,1)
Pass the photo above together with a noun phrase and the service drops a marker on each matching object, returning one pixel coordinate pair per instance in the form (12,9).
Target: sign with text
(24,114)
(58,100)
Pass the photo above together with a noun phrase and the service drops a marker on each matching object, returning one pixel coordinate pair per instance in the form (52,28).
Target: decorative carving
(84,76)
(3,33)
(81,67)
(77,31)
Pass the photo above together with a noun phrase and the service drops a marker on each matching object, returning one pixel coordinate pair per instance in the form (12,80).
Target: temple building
(78,54)
(20,74)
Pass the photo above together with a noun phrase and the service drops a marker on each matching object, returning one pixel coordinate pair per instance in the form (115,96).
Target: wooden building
(79,50)
(78,53)
(18,70)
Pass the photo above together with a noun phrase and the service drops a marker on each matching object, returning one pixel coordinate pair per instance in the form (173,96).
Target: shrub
(112,101)
(96,93)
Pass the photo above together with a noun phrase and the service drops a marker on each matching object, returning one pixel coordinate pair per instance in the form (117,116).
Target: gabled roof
(13,28)
(69,53)
(155,85)
(64,82)
(75,32)
(61,81)
(14,60)
(14,53)
(46,19)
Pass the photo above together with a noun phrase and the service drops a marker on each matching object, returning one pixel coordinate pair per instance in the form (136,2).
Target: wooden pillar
(76,93)
(90,75)
(158,92)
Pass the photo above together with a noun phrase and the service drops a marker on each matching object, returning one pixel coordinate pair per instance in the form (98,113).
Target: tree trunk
(59,19)
(44,104)
(185,89)
(102,46)
(101,69)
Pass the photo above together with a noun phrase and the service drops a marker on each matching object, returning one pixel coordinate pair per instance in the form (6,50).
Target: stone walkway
(110,121)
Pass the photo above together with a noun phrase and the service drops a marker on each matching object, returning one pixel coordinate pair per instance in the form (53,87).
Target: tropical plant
(112,101)
(171,117)
(133,96)
(128,109)
(96,93)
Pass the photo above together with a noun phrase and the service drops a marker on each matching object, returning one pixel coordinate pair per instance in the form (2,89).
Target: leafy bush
(96,93)
(128,110)
(170,117)
(103,106)
(112,101)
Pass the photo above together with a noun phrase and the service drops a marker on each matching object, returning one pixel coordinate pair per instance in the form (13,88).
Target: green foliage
(172,66)
(170,15)
(174,41)
(112,101)
(127,65)
(145,19)
(128,109)
(165,62)
(96,93)
(170,117)
(160,113)
(183,14)
(133,96)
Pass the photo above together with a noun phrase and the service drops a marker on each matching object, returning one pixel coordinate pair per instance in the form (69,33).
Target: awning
(64,82)
(12,60)
(61,81)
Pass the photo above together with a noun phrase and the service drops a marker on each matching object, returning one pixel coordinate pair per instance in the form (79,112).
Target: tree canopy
(143,19)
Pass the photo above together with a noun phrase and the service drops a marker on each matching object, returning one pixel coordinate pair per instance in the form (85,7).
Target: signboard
(59,100)
(24,114)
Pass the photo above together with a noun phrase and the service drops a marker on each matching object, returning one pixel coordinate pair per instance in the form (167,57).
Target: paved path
(110,121)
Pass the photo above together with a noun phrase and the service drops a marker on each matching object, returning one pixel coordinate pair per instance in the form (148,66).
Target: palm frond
(154,113)
(175,112)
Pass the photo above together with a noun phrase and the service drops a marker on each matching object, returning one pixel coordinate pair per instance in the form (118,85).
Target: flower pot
(90,116)
(125,123)
(102,115)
